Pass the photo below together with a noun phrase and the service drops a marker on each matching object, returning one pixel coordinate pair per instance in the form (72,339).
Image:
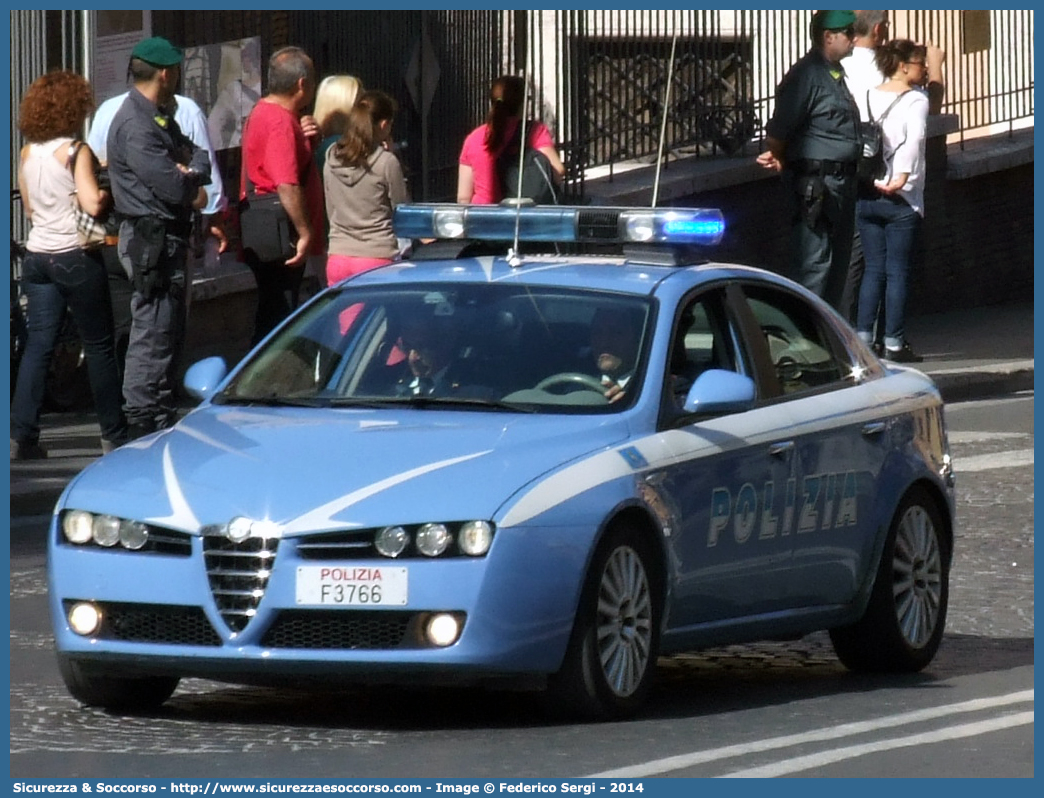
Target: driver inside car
(614,345)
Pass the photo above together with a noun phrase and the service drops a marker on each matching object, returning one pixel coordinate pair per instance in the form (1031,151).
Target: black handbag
(264,225)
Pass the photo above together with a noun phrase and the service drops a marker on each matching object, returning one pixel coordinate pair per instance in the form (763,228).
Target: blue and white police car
(523,464)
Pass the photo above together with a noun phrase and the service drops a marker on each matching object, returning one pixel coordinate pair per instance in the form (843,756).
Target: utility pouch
(145,249)
(811,193)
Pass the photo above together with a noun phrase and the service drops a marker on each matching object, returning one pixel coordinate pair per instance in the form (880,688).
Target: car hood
(310,470)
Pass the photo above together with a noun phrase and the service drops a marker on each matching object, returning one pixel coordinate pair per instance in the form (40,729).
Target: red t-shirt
(483,163)
(275,152)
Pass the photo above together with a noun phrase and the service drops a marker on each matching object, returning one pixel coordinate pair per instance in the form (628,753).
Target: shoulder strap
(891,105)
(249,184)
(74,149)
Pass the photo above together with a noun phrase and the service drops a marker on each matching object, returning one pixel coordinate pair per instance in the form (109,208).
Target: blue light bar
(562,223)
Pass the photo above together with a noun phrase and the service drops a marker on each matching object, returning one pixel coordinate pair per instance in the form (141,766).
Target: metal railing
(599,78)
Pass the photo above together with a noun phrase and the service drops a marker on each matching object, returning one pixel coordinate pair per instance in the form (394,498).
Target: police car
(517,464)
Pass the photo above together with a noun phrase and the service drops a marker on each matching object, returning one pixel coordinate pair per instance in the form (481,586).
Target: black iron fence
(601,79)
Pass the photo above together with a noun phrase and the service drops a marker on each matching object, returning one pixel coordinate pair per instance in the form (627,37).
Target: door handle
(874,428)
(781,449)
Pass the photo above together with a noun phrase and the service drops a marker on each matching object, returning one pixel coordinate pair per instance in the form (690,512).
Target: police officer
(157,177)
(813,139)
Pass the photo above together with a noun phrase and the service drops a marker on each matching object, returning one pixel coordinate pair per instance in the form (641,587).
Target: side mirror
(720,391)
(203,378)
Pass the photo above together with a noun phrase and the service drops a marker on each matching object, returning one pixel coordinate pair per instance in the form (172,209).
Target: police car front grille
(157,623)
(340,629)
(238,574)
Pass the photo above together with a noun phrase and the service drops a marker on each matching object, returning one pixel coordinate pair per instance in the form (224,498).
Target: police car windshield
(454,347)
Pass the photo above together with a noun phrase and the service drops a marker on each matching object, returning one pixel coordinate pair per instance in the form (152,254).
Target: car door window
(803,351)
(700,342)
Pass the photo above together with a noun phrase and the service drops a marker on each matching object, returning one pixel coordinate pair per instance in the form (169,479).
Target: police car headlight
(474,538)
(433,539)
(76,526)
(106,530)
(133,535)
(391,541)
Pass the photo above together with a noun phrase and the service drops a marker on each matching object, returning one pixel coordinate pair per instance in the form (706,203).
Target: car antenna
(663,122)
(514,256)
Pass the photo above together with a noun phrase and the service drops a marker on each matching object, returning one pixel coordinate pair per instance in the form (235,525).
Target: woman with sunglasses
(890,219)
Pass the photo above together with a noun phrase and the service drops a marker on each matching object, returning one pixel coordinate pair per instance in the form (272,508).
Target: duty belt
(809,166)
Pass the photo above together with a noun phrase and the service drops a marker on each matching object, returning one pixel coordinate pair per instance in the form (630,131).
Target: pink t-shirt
(487,188)
(276,151)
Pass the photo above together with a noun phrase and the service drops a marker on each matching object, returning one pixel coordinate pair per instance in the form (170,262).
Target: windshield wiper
(471,403)
(271,401)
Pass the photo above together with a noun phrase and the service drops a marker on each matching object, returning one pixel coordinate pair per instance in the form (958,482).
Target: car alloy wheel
(624,622)
(917,577)
(611,658)
(903,624)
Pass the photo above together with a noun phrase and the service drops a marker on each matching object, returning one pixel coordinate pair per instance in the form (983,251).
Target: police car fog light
(133,535)
(391,541)
(106,530)
(474,538)
(84,618)
(442,629)
(433,539)
(76,526)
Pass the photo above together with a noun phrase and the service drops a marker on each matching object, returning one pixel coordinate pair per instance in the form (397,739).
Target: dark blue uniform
(153,199)
(819,121)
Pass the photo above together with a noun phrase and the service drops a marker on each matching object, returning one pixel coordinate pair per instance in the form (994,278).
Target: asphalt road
(771,709)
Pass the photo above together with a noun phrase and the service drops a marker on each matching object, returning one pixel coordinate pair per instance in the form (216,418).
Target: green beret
(833,20)
(158,52)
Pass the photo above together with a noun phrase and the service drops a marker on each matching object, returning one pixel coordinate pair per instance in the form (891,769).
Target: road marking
(984,462)
(984,436)
(796,765)
(660,766)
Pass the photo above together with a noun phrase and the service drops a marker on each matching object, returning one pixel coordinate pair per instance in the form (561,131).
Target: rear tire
(902,627)
(611,659)
(124,694)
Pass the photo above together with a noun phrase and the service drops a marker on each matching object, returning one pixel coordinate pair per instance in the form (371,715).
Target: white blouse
(904,133)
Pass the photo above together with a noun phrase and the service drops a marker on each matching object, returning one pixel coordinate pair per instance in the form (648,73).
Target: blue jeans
(51,283)
(888,228)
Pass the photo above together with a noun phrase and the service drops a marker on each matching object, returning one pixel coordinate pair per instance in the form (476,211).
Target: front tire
(123,694)
(611,659)
(905,617)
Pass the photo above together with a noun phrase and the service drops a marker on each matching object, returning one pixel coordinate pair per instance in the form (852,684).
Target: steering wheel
(574,378)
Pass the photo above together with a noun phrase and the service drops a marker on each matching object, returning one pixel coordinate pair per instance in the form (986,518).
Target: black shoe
(878,348)
(27,450)
(902,355)
(140,430)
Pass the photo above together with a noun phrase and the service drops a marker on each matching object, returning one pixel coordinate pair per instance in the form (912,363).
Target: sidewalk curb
(967,384)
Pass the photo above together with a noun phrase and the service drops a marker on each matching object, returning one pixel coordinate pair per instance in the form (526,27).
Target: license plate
(351,586)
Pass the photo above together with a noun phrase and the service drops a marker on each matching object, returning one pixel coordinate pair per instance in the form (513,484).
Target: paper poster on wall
(225,80)
(115,34)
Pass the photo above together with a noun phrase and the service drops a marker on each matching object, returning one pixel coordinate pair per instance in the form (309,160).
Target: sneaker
(902,355)
(27,450)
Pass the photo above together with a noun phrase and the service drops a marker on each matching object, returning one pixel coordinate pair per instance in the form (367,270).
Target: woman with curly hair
(364,182)
(477,180)
(57,272)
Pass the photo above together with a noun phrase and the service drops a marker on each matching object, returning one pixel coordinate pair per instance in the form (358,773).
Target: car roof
(594,272)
